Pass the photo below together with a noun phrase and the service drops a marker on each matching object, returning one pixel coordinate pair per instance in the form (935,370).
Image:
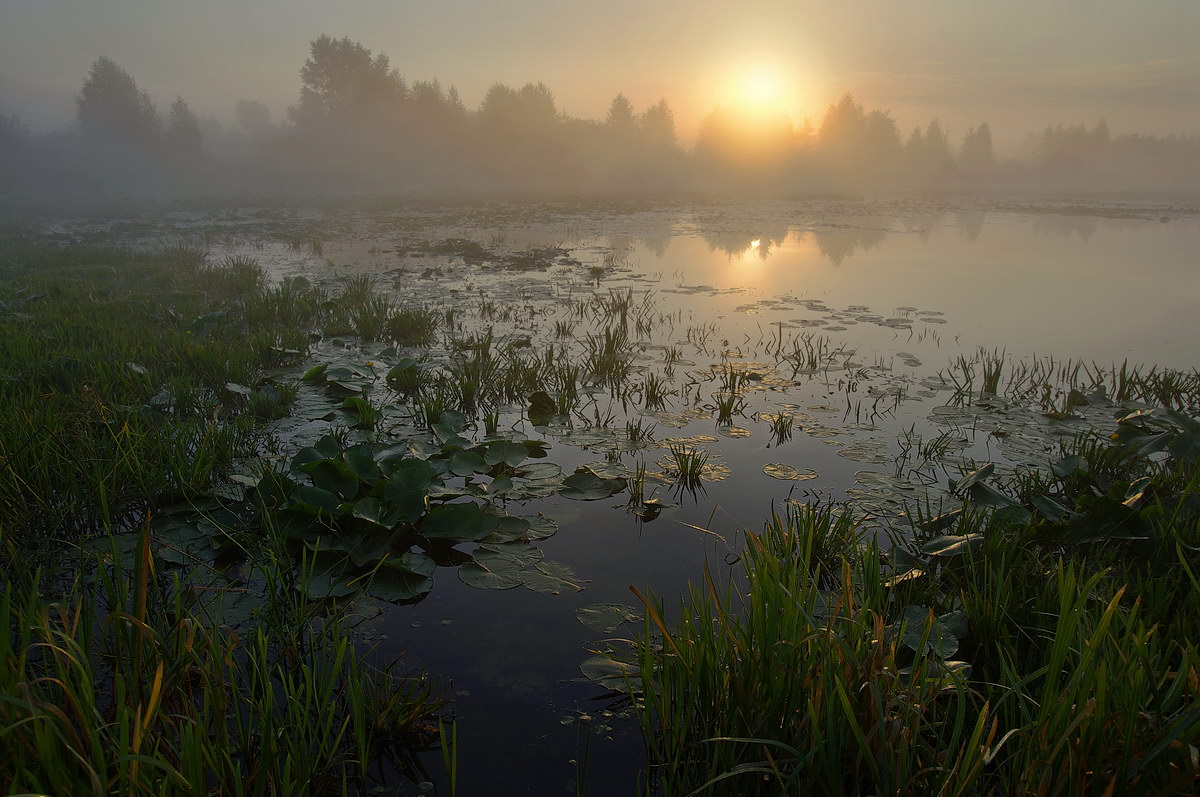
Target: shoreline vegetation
(163,638)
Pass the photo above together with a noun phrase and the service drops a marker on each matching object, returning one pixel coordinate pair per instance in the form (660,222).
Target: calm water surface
(900,288)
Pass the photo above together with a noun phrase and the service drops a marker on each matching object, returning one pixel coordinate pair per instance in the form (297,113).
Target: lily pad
(587,486)
(403,580)
(605,618)
(619,676)
(779,470)
(458,522)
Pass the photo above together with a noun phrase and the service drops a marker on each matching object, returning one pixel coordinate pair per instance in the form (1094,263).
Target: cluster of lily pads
(380,517)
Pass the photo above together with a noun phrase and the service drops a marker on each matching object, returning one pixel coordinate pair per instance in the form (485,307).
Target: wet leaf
(500,573)
(588,486)
(605,618)
(403,580)
(779,470)
(509,453)
(918,623)
(458,522)
(539,470)
(975,477)
(952,545)
(619,676)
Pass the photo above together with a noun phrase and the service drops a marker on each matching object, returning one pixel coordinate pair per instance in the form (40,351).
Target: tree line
(359,125)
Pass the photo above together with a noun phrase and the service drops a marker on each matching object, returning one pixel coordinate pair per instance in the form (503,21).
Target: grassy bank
(1040,640)
(132,382)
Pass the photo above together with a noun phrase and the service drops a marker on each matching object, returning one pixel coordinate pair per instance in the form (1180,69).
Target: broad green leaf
(619,676)
(509,453)
(942,521)
(509,529)
(313,500)
(458,522)
(540,527)
(334,476)
(976,477)
(590,487)
(501,573)
(917,623)
(539,470)
(605,618)
(403,580)
(952,545)
(987,495)
(361,461)
(466,463)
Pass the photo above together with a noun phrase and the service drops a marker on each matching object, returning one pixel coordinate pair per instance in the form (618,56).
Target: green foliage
(132,687)
(1039,640)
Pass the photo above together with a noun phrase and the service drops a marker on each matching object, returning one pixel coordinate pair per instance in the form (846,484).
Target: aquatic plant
(126,687)
(688,463)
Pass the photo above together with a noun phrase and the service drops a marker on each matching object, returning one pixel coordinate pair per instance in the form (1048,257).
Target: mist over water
(893,253)
(359,126)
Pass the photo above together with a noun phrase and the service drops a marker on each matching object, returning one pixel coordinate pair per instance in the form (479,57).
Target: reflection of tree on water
(735,244)
(970,223)
(839,243)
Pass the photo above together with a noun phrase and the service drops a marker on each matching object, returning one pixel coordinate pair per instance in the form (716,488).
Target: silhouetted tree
(621,118)
(112,109)
(342,80)
(975,156)
(183,129)
(657,125)
(842,126)
(12,130)
(929,155)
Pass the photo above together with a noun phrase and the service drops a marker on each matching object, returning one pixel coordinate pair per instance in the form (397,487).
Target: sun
(761,87)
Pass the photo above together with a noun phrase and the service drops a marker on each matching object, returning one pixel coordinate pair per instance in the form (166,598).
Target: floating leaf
(509,453)
(605,618)
(498,573)
(540,527)
(778,470)
(458,522)
(334,476)
(466,463)
(618,676)
(539,470)
(510,529)
(588,486)
(403,580)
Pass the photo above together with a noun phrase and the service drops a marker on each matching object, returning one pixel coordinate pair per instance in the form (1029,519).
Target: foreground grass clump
(126,686)
(116,366)
(1020,653)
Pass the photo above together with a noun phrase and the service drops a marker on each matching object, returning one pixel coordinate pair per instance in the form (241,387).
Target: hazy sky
(1019,64)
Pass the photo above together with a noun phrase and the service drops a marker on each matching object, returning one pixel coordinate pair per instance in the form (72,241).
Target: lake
(858,322)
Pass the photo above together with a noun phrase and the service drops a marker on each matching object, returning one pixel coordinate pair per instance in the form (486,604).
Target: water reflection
(838,244)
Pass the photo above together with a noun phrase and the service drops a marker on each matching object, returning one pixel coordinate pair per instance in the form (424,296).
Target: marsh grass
(995,653)
(688,463)
(1048,381)
(118,363)
(124,685)
(413,326)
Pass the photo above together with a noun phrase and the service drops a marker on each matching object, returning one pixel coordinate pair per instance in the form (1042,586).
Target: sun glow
(757,88)
(762,87)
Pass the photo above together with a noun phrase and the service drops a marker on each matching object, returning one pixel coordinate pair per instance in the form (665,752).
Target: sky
(1017,64)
